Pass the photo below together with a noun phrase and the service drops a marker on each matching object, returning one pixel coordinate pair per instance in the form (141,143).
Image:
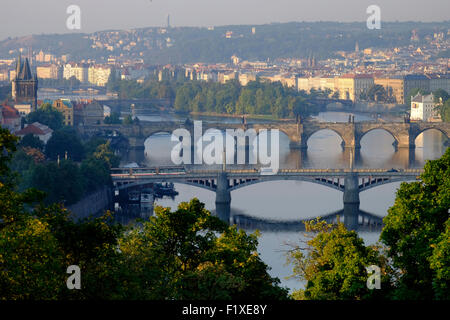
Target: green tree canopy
(440,94)
(47,115)
(62,141)
(60,182)
(415,231)
(334,263)
(114,118)
(30,140)
(189,254)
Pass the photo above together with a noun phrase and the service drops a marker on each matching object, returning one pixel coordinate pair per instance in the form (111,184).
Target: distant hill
(188,44)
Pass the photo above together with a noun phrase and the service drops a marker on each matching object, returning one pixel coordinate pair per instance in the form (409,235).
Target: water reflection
(289,200)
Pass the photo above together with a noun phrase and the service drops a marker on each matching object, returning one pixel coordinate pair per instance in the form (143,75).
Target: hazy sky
(23,17)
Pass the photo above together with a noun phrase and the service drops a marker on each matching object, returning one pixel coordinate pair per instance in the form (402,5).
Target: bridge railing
(179,170)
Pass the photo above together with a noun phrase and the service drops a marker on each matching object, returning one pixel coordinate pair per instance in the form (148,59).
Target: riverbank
(238,116)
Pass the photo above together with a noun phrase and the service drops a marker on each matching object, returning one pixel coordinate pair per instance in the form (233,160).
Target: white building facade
(422,107)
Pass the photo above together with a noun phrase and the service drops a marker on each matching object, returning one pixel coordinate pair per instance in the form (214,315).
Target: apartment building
(348,86)
(394,86)
(79,71)
(66,108)
(48,71)
(439,81)
(99,75)
(414,81)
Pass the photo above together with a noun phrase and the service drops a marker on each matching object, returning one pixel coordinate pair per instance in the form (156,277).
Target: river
(298,200)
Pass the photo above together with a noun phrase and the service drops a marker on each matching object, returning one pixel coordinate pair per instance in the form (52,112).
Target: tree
(334,264)
(414,230)
(62,141)
(114,118)
(440,262)
(377,93)
(445,111)
(47,115)
(30,140)
(440,95)
(31,262)
(38,242)
(104,153)
(61,182)
(184,258)
(7,149)
(413,93)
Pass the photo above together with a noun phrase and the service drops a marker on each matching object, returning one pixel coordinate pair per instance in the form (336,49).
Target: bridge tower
(351,200)
(223,198)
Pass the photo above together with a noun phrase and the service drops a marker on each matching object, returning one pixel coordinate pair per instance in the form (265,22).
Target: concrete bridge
(350,181)
(404,134)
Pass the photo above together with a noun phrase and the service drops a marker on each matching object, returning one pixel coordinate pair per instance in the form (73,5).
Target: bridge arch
(418,132)
(321,181)
(306,137)
(384,182)
(391,133)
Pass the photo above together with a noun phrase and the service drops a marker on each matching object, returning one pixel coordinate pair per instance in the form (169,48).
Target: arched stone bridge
(404,134)
(350,182)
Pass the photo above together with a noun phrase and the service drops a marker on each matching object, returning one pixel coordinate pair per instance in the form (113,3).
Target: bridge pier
(136,149)
(351,201)
(223,198)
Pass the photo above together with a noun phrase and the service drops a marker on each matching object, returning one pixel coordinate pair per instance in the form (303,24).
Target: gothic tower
(24,85)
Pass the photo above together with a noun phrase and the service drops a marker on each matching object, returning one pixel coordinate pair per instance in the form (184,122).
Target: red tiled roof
(356,76)
(10,112)
(34,128)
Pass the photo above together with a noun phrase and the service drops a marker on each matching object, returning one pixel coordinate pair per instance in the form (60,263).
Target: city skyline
(104,15)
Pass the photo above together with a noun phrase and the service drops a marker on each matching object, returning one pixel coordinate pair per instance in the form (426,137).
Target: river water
(289,200)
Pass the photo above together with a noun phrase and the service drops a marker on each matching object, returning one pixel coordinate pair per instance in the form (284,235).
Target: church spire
(18,65)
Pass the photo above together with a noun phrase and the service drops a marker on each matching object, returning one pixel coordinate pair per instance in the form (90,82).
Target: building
(37,129)
(287,80)
(4,75)
(394,86)
(10,118)
(23,109)
(24,84)
(439,81)
(44,57)
(422,107)
(99,75)
(79,71)
(351,86)
(245,78)
(48,72)
(90,113)
(322,84)
(224,77)
(66,108)
(415,81)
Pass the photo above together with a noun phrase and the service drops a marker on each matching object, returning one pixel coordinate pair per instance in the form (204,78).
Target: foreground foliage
(416,232)
(333,263)
(185,254)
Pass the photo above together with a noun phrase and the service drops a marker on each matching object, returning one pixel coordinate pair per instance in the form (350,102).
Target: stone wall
(91,204)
